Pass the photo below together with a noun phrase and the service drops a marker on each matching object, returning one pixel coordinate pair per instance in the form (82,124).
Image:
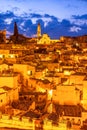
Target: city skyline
(43,74)
(57,18)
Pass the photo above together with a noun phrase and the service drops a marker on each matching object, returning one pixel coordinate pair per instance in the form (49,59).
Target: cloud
(45,20)
(34,15)
(75,29)
(8,20)
(8,33)
(79,20)
(27,24)
(22,24)
(80,16)
(7,14)
(34,20)
(65,23)
(34,35)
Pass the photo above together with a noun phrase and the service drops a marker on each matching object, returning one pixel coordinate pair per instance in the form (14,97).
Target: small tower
(38,30)
(15,29)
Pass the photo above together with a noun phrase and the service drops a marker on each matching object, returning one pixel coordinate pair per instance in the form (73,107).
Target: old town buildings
(55,70)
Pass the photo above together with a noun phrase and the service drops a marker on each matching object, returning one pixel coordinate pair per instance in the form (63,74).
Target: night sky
(57,17)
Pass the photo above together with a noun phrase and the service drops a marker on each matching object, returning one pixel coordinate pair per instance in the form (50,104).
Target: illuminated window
(29,72)
(1,56)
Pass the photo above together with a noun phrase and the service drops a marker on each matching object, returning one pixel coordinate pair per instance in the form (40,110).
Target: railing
(26,123)
(16,122)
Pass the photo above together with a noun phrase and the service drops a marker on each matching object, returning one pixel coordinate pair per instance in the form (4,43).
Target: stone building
(2,36)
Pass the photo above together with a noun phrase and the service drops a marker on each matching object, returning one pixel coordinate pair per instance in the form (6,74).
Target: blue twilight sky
(57,17)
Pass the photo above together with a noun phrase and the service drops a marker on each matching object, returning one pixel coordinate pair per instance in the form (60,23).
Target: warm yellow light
(1,56)
(41,90)
(29,72)
(11,56)
(60,61)
(50,92)
(58,51)
(57,69)
(67,72)
(82,101)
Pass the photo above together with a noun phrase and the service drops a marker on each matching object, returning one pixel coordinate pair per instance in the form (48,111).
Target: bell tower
(15,29)
(38,30)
